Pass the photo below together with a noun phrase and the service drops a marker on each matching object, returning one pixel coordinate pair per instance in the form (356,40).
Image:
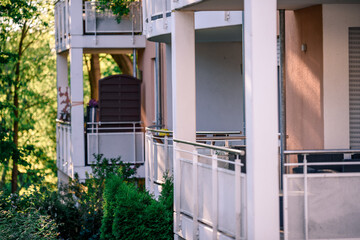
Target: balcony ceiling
(224,5)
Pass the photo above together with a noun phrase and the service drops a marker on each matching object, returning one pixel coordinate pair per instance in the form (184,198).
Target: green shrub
(133,214)
(77,207)
(27,224)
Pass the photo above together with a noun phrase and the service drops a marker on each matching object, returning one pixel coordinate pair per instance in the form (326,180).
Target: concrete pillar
(183,95)
(261,119)
(61,82)
(76,19)
(77,107)
(183,76)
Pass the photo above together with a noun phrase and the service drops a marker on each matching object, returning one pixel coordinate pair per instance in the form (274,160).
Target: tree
(25,53)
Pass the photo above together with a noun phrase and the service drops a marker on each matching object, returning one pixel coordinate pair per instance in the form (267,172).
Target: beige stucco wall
(304,79)
(146,60)
(146,64)
(336,20)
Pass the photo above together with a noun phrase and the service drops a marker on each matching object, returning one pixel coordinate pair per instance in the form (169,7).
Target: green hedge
(27,224)
(133,214)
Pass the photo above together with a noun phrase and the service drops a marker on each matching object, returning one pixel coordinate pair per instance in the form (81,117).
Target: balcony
(157,23)
(99,21)
(321,194)
(63,148)
(209,180)
(96,20)
(318,197)
(114,139)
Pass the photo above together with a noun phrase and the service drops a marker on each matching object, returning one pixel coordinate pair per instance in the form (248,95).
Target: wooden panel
(119,98)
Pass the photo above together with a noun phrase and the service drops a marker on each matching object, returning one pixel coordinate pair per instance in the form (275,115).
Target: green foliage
(27,68)
(77,208)
(20,219)
(133,214)
(118,7)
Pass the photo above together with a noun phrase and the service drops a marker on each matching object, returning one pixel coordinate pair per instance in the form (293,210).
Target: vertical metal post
(134,132)
(237,198)
(134,63)
(214,197)
(151,166)
(147,160)
(243,71)
(67,21)
(158,99)
(195,195)
(282,92)
(166,151)
(306,225)
(177,185)
(97,138)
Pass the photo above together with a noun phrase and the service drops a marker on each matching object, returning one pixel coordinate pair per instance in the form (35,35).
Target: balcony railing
(154,10)
(209,181)
(321,194)
(102,20)
(62,27)
(63,148)
(114,139)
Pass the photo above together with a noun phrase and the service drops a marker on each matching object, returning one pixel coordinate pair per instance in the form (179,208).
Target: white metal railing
(159,152)
(154,10)
(63,148)
(62,27)
(114,139)
(321,194)
(209,185)
(102,20)
(209,192)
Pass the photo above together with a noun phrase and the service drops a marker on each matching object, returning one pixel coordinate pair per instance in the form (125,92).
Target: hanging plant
(118,7)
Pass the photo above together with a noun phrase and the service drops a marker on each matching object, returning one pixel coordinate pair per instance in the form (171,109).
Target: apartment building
(251,105)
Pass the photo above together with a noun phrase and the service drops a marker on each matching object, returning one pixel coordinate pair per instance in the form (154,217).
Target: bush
(133,214)
(19,220)
(76,208)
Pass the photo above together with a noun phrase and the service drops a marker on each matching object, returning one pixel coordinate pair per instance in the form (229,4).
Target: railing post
(134,131)
(237,198)
(165,24)
(177,185)
(195,195)
(166,153)
(214,196)
(147,160)
(306,224)
(67,21)
(151,167)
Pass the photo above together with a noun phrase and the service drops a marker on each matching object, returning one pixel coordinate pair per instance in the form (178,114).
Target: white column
(261,119)
(77,107)
(183,95)
(76,19)
(61,81)
(183,75)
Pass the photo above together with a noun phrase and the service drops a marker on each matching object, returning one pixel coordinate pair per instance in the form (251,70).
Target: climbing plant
(118,7)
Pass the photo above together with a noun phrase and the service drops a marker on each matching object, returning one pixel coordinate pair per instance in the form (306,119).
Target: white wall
(219,87)
(219,103)
(336,21)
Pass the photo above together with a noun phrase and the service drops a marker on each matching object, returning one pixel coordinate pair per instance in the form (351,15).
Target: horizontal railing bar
(62,122)
(222,138)
(197,132)
(239,152)
(115,128)
(209,158)
(323,163)
(325,151)
(104,123)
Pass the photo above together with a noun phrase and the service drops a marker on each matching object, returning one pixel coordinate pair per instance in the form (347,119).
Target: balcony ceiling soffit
(235,5)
